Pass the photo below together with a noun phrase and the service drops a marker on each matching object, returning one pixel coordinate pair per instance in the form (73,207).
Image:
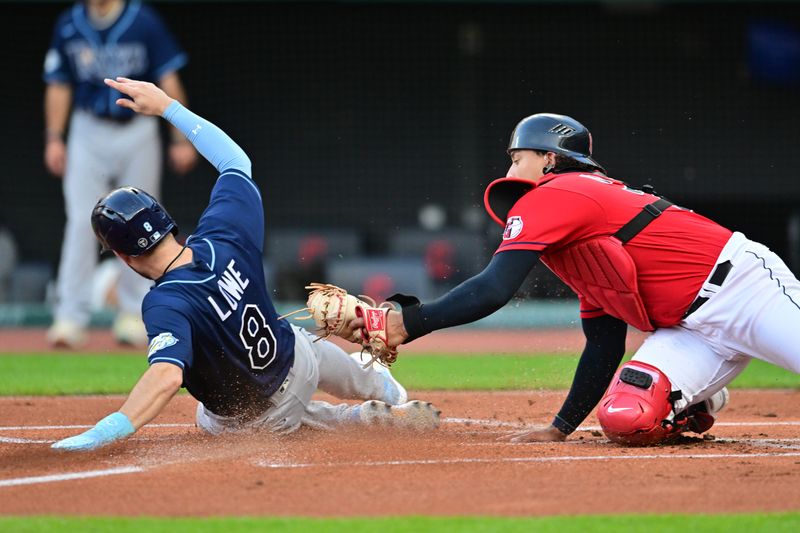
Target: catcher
(212,326)
(714,298)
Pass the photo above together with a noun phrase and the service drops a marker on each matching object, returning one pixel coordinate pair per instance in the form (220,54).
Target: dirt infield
(171,469)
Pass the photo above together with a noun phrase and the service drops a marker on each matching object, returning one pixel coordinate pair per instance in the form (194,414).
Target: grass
(49,374)
(557,524)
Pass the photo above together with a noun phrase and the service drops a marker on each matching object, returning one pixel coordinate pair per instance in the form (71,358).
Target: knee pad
(637,408)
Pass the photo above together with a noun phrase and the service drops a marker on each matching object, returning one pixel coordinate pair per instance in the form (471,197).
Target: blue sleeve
(163,50)
(212,143)
(235,212)
(170,336)
(56,64)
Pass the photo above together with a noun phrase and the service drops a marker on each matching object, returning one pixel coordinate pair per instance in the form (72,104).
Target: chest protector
(600,269)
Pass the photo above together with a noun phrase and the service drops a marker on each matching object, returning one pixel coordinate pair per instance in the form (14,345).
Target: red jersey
(674,254)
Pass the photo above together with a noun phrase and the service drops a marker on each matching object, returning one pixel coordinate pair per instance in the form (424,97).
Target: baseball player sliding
(212,326)
(714,298)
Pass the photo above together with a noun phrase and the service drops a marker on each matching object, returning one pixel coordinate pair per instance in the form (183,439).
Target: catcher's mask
(554,133)
(130,221)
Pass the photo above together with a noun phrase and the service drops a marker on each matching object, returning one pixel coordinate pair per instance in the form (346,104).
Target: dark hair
(564,163)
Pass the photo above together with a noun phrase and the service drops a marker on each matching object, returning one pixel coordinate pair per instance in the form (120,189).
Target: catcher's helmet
(554,133)
(130,221)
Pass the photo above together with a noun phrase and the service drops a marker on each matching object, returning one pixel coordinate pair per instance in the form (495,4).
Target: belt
(112,119)
(717,277)
(116,120)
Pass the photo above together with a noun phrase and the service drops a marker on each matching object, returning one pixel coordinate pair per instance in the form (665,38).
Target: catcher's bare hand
(546,434)
(145,98)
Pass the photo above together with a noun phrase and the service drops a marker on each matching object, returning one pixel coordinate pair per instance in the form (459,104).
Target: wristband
(114,426)
(412,321)
(412,317)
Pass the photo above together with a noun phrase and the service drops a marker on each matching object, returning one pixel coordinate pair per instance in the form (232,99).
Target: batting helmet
(554,133)
(130,221)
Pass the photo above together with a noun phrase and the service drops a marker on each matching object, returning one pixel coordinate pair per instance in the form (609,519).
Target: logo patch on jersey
(161,341)
(94,63)
(513,228)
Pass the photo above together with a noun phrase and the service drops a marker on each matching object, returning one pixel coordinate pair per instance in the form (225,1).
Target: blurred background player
(108,145)
(211,322)
(714,298)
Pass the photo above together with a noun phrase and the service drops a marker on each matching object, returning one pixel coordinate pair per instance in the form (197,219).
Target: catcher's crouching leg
(637,409)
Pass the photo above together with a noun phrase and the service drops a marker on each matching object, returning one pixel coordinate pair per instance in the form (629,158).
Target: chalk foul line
(30,480)
(17,440)
(563,458)
(82,426)
(518,425)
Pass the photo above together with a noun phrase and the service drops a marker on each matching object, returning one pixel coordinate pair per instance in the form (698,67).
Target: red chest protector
(603,272)
(600,268)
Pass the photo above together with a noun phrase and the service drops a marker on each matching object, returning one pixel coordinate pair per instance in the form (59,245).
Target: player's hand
(547,434)
(395,329)
(182,157)
(113,427)
(55,157)
(145,98)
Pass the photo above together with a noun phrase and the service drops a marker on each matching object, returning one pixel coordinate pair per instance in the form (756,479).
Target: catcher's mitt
(332,309)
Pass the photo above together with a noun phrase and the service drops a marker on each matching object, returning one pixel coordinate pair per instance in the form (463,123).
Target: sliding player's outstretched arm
(147,399)
(212,143)
(232,194)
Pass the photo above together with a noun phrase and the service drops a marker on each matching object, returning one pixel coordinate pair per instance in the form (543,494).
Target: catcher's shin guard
(637,408)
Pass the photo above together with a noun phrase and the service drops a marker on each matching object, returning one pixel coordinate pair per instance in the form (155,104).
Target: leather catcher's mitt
(332,309)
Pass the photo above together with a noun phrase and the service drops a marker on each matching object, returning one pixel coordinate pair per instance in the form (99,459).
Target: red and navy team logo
(513,228)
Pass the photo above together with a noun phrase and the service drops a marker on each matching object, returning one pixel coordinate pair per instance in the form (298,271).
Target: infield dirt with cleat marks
(172,469)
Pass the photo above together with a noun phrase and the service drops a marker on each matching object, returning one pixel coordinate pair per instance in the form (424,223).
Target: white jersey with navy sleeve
(214,317)
(137,45)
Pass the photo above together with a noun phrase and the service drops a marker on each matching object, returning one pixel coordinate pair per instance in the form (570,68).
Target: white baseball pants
(321,365)
(755,313)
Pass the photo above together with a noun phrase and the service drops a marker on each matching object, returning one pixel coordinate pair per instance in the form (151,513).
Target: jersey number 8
(257,337)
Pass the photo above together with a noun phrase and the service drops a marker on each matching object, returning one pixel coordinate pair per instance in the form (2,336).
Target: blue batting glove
(113,427)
